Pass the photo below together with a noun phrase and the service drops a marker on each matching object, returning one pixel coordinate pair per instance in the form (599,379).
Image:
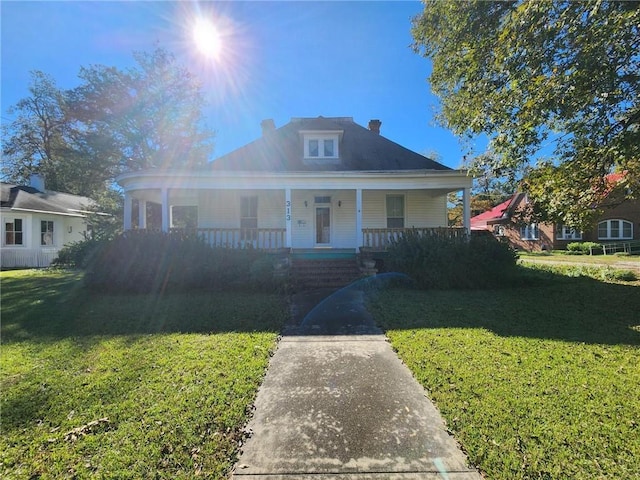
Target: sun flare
(207,38)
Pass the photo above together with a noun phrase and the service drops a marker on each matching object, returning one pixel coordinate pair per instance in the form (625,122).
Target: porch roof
(445,180)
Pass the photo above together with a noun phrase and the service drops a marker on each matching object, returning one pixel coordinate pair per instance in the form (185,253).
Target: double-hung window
(529,232)
(568,233)
(395,211)
(13,232)
(249,217)
(46,232)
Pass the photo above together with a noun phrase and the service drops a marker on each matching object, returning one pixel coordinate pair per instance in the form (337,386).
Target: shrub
(584,248)
(443,263)
(78,254)
(158,262)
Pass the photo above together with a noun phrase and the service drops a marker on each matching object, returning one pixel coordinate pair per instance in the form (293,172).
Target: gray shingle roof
(19,197)
(360,149)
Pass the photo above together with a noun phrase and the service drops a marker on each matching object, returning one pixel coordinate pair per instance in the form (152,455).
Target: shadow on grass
(548,306)
(55,305)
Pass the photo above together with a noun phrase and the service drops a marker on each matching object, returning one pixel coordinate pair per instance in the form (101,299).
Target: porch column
(165,209)
(128,206)
(359,238)
(142,214)
(466,209)
(287,217)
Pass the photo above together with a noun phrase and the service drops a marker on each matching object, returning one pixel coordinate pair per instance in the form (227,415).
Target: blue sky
(278,60)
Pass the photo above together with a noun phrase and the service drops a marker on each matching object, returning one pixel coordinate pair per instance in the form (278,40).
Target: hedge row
(144,262)
(443,263)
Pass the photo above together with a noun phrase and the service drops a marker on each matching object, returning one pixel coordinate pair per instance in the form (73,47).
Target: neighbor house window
(321,146)
(567,233)
(46,232)
(499,230)
(395,211)
(13,233)
(529,232)
(249,218)
(615,230)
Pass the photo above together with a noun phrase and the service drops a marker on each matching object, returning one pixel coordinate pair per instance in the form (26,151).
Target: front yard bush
(78,254)
(584,248)
(444,263)
(146,262)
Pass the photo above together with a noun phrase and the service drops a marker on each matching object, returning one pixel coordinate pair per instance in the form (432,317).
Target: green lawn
(536,382)
(127,386)
(560,256)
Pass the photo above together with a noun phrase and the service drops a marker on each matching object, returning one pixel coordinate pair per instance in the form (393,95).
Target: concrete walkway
(345,407)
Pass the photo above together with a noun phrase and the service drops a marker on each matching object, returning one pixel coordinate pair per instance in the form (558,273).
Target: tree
(114,121)
(35,140)
(153,113)
(542,78)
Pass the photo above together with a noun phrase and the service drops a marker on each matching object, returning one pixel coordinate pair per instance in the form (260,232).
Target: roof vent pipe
(268,126)
(374,126)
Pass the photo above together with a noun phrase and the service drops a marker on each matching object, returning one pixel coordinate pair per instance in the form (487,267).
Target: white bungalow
(313,184)
(37,223)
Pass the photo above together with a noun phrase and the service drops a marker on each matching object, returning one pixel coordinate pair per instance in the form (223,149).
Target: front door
(323,225)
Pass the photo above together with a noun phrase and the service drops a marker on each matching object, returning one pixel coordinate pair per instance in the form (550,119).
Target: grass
(536,382)
(127,386)
(561,256)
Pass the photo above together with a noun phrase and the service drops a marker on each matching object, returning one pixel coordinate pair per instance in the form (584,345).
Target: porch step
(307,274)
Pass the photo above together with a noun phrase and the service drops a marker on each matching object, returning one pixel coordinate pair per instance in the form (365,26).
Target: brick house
(619,222)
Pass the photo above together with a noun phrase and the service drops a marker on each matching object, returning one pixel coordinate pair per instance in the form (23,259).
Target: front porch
(301,210)
(274,239)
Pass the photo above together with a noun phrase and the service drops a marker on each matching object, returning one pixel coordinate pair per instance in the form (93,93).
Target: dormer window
(321,146)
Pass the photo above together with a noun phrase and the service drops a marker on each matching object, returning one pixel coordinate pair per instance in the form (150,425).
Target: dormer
(321,147)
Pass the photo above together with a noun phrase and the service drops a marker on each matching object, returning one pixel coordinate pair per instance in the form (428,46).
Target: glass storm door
(323,225)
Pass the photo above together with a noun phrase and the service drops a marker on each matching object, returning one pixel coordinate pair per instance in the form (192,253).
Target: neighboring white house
(37,223)
(314,183)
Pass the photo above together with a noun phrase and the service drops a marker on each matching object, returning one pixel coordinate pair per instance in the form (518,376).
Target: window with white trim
(13,232)
(568,233)
(395,211)
(529,232)
(184,216)
(321,146)
(615,229)
(46,232)
(249,217)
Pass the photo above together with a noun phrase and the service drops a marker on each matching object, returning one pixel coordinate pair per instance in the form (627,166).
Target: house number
(288,210)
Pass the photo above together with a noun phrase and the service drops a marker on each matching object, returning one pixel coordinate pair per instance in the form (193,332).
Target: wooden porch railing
(381,238)
(260,238)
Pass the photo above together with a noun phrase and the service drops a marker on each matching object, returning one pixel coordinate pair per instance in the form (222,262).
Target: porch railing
(381,238)
(260,238)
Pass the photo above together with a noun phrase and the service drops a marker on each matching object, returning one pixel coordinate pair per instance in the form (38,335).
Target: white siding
(344,219)
(422,208)
(31,253)
(221,208)
(218,208)
(271,209)
(302,221)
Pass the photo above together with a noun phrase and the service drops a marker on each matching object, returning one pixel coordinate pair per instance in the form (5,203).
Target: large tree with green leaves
(115,120)
(152,113)
(555,85)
